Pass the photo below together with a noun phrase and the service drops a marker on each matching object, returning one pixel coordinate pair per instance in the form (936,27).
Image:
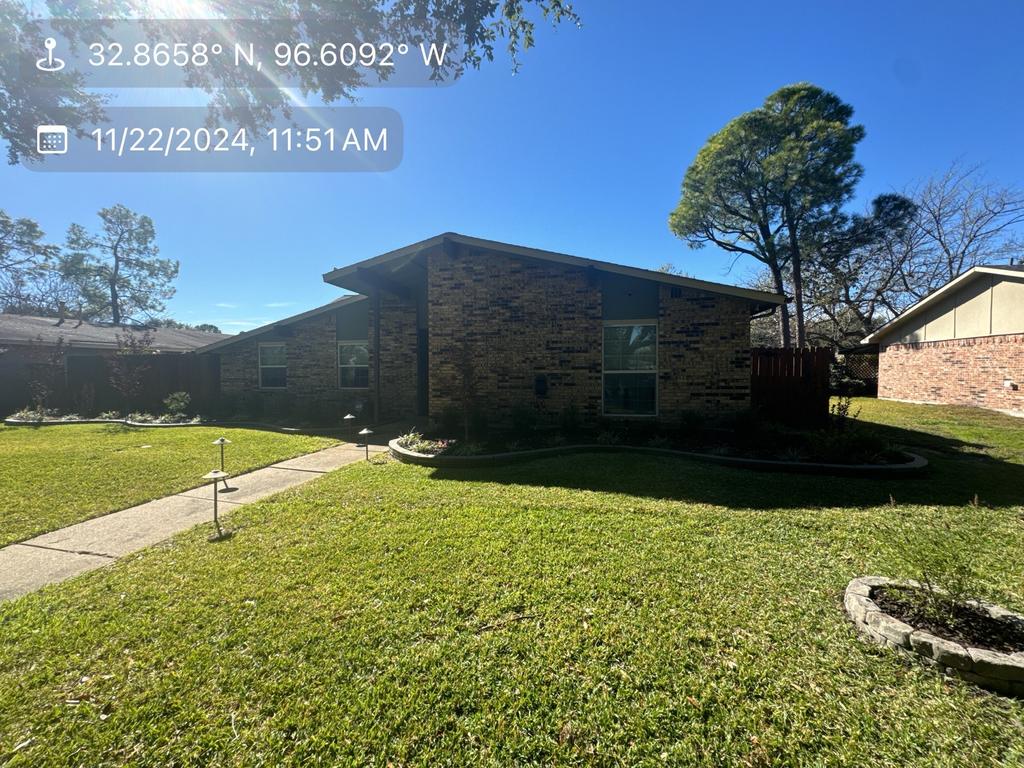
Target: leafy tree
(29,97)
(118,268)
(964,220)
(768,177)
(245,97)
(24,257)
(167,322)
(128,366)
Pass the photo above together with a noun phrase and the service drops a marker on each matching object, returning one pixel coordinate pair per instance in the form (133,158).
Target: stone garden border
(999,672)
(915,463)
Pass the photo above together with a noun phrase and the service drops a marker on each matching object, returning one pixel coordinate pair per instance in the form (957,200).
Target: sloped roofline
(764,298)
(951,287)
(245,335)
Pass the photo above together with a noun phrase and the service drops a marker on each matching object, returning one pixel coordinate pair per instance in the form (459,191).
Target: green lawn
(595,610)
(57,475)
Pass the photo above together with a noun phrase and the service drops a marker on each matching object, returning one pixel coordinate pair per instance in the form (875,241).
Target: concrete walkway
(91,544)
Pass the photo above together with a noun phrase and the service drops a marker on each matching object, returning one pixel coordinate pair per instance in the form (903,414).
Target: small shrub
(659,441)
(140,417)
(414,441)
(943,557)
(524,420)
(449,421)
(607,437)
(569,420)
(177,402)
(465,449)
(110,415)
(35,414)
(842,413)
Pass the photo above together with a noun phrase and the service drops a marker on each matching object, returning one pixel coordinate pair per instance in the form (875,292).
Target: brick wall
(515,319)
(397,356)
(511,320)
(312,392)
(957,371)
(703,353)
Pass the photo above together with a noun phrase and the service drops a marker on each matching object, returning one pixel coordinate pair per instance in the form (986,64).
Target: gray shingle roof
(25,329)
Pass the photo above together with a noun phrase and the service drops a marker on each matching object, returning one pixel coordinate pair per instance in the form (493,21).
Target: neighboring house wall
(959,371)
(968,349)
(987,305)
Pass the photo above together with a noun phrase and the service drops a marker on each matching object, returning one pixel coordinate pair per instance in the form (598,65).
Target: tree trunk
(798,280)
(780,287)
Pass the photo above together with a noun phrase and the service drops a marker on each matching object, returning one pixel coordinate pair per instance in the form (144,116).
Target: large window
(631,369)
(353,365)
(273,366)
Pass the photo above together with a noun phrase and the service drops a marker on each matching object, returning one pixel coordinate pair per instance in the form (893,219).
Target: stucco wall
(988,304)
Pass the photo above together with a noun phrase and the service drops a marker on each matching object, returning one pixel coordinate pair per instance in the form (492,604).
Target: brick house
(962,345)
(454,319)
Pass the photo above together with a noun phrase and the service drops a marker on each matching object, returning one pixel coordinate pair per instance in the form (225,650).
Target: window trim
(337,351)
(260,366)
(655,370)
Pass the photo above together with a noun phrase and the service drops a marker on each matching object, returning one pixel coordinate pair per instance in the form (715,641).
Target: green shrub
(569,420)
(140,417)
(449,421)
(414,441)
(524,420)
(177,402)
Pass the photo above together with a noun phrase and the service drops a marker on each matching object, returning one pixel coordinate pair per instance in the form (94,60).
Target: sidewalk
(91,544)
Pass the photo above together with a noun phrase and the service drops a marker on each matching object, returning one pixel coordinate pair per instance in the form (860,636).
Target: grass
(58,475)
(594,610)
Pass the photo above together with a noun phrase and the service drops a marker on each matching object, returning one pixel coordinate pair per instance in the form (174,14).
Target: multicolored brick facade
(452,324)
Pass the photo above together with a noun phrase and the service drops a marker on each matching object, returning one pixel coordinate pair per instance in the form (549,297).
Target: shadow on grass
(957,471)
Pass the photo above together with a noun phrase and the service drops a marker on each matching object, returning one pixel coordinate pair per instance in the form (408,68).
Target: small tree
(127,368)
(46,371)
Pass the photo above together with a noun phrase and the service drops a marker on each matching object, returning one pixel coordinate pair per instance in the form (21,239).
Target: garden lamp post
(215,475)
(365,433)
(222,441)
(348,418)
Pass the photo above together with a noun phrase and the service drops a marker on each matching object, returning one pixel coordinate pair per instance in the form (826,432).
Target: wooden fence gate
(791,385)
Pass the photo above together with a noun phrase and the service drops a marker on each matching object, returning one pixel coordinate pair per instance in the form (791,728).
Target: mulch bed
(965,624)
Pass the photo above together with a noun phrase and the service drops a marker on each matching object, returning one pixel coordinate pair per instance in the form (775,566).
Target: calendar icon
(52,139)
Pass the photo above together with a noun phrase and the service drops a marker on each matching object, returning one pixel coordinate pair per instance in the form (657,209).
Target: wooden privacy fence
(791,385)
(89,387)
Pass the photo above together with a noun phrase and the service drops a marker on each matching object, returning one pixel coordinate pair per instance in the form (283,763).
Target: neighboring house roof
(245,335)
(26,329)
(949,288)
(763,299)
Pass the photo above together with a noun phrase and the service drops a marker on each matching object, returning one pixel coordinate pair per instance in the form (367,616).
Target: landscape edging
(125,422)
(995,671)
(496,459)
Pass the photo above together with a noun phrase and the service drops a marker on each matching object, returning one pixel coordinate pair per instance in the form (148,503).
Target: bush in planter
(110,415)
(140,417)
(177,403)
(942,557)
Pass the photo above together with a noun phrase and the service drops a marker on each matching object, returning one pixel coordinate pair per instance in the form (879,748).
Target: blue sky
(583,150)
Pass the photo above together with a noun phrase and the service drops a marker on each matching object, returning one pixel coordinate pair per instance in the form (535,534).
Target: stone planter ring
(999,672)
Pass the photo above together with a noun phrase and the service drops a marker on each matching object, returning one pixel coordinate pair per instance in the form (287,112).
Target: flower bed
(911,463)
(871,601)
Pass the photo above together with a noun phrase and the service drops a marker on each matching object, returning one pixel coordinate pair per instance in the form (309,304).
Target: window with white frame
(273,366)
(353,365)
(630,368)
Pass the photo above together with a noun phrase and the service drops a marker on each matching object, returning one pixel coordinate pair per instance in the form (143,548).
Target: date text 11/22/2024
(314,139)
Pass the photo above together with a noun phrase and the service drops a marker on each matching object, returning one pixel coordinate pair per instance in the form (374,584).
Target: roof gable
(949,289)
(762,299)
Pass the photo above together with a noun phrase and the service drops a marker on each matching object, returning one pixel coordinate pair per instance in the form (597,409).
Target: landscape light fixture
(365,433)
(222,441)
(348,418)
(215,475)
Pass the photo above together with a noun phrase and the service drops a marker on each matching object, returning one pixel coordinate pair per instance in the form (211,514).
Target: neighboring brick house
(963,344)
(456,319)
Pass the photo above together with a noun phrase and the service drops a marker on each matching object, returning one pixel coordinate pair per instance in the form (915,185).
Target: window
(273,366)
(353,365)
(631,369)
